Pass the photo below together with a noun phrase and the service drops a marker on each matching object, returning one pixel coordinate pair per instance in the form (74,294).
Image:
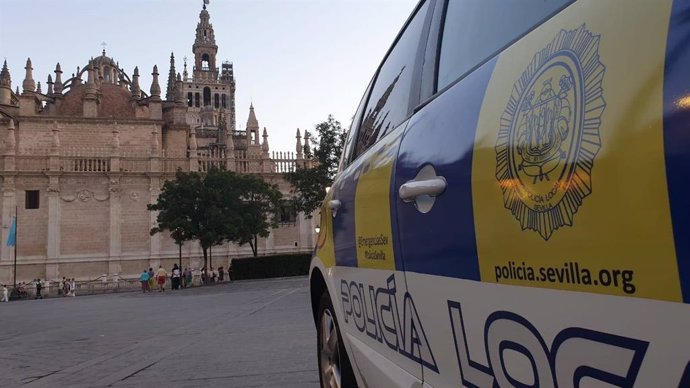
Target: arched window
(205,62)
(190,99)
(196,100)
(207,96)
(216,101)
(222,100)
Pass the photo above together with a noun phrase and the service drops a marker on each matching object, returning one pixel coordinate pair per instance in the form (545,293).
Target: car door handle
(423,189)
(432,187)
(334,205)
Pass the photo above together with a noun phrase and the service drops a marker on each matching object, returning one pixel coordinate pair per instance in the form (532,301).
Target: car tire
(335,369)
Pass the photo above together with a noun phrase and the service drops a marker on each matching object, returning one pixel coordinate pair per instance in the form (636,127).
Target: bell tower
(210,92)
(205,49)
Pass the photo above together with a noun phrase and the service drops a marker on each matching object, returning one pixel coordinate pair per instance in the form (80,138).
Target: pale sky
(297,60)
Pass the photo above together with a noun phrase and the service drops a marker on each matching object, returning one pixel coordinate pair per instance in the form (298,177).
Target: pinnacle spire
(50,84)
(170,90)
(29,85)
(58,79)
(136,90)
(298,144)
(155,87)
(252,122)
(5,79)
(264,144)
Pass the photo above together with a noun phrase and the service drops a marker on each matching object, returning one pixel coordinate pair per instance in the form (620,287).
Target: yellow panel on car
(374,237)
(569,183)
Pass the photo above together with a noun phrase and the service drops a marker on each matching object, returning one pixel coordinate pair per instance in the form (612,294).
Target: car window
(476,29)
(389,102)
(352,133)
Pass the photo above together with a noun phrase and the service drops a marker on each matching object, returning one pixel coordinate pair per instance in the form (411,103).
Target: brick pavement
(243,334)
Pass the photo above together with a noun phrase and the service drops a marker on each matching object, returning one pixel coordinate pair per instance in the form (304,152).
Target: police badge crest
(549,133)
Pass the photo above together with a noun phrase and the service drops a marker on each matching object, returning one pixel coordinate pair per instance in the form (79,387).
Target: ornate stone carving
(84,195)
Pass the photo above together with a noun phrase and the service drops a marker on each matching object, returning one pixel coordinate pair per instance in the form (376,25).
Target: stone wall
(32,224)
(135,218)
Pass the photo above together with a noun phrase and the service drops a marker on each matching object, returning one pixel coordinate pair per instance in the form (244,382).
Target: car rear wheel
(335,370)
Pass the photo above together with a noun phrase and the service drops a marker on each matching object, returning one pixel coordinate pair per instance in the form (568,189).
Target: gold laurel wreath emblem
(549,133)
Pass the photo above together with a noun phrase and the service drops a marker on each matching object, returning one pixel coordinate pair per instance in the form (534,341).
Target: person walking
(144,279)
(213,276)
(221,274)
(39,288)
(72,287)
(161,276)
(175,278)
(152,279)
(65,287)
(188,277)
(4,294)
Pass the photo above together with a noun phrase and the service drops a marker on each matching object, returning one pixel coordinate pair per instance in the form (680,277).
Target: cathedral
(81,161)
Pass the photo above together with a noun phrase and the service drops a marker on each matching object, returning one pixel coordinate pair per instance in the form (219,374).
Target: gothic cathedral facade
(81,161)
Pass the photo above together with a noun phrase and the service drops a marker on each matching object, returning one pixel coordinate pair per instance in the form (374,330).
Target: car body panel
(558,254)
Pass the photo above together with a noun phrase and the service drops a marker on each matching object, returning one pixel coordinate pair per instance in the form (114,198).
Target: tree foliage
(260,205)
(216,207)
(309,184)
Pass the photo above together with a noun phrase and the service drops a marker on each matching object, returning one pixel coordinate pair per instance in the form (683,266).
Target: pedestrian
(39,288)
(189,277)
(204,276)
(65,287)
(4,294)
(230,270)
(175,279)
(144,279)
(72,287)
(161,276)
(61,285)
(152,279)
(221,274)
(213,275)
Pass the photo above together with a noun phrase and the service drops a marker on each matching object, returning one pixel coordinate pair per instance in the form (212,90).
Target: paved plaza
(242,334)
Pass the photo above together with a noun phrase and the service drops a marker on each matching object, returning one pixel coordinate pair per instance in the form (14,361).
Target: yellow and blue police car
(512,207)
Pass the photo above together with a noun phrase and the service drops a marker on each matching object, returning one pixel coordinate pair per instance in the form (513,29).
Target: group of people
(178,278)
(66,287)
(211,277)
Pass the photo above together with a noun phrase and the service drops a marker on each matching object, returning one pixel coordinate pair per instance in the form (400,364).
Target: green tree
(198,207)
(309,184)
(261,204)
(216,207)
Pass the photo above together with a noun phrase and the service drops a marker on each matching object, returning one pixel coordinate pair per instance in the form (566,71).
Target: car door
(434,179)
(528,254)
(370,274)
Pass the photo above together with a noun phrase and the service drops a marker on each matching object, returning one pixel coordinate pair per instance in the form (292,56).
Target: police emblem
(549,133)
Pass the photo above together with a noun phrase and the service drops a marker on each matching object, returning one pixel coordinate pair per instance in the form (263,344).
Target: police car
(512,207)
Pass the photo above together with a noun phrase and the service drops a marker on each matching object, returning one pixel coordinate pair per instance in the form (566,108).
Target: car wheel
(335,370)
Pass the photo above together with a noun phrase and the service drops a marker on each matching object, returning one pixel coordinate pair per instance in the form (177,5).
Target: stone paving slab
(241,334)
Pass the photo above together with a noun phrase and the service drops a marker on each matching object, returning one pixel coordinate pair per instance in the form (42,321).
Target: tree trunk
(210,257)
(203,248)
(255,247)
(180,255)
